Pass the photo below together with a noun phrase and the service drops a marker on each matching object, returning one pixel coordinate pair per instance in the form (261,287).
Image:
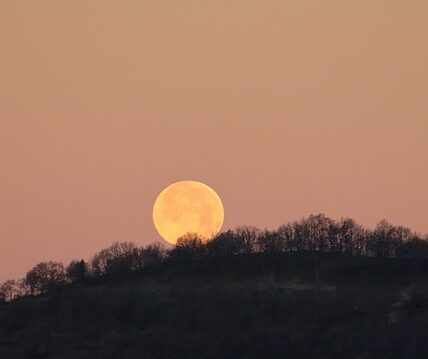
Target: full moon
(188,206)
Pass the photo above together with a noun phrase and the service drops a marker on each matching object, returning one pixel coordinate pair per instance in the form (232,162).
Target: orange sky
(285,108)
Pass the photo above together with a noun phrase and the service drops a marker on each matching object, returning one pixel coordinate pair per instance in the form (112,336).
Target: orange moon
(188,206)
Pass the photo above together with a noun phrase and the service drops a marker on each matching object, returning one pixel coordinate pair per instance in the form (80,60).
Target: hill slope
(294,306)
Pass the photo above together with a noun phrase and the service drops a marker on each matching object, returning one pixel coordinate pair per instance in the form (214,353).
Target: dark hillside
(294,305)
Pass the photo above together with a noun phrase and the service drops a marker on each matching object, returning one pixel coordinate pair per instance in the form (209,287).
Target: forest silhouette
(315,288)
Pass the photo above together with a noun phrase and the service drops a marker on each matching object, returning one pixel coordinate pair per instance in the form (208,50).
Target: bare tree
(188,248)
(118,258)
(286,235)
(351,237)
(317,232)
(301,236)
(151,255)
(247,238)
(321,229)
(44,277)
(404,234)
(383,242)
(270,242)
(10,290)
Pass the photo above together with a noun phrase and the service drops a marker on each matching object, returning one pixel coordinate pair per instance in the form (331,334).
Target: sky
(285,108)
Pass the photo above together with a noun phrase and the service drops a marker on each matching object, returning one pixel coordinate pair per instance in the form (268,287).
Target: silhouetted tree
(188,248)
(270,242)
(247,238)
(319,230)
(301,236)
(225,244)
(415,248)
(383,241)
(77,271)
(286,235)
(44,277)
(152,255)
(401,236)
(313,233)
(116,259)
(351,237)
(10,290)
(316,232)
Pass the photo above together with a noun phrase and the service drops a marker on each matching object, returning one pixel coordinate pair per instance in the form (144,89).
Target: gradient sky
(286,108)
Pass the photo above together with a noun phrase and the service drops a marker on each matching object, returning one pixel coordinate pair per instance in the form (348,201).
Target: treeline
(316,233)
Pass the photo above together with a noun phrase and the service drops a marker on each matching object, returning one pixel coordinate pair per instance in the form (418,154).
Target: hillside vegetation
(309,290)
